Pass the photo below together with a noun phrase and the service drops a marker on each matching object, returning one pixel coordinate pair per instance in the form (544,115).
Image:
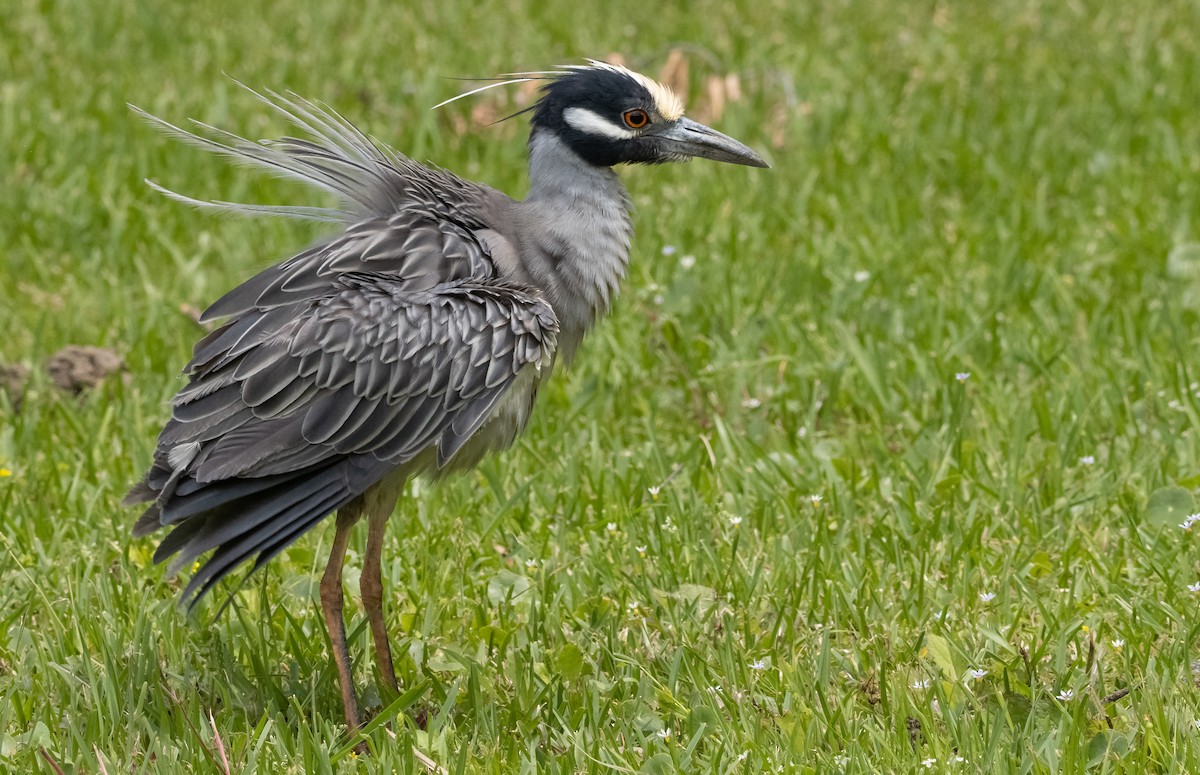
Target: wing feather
(370,371)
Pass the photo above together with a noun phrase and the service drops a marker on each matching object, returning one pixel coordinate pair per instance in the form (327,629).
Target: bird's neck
(579,216)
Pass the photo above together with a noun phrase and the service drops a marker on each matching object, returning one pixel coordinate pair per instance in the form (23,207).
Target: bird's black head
(610,115)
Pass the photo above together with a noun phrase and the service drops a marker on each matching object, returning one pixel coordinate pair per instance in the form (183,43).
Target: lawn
(880,463)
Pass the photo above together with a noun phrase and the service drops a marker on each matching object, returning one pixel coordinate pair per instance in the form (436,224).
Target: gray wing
(305,402)
(417,249)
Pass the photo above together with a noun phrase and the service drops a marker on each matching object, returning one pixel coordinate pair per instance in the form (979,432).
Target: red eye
(635,119)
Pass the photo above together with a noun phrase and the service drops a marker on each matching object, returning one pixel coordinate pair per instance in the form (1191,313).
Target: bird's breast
(507,421)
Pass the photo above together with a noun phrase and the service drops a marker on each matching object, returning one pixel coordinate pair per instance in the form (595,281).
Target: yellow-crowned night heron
(411,342)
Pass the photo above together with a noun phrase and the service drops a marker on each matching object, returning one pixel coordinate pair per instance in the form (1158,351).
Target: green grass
(1005,189)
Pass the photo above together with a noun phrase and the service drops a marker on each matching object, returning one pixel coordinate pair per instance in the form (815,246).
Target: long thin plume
(339,159)
(326,214)
(485,88)
(668,103)
(507,79)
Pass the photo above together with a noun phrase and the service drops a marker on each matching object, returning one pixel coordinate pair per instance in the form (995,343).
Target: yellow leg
(331,605)
(371,587)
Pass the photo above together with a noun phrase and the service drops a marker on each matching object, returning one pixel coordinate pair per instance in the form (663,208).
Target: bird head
(608,115)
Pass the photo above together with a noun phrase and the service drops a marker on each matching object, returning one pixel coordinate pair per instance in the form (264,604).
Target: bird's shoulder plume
(367,177)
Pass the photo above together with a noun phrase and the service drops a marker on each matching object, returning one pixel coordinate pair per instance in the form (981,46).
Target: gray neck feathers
(577,231)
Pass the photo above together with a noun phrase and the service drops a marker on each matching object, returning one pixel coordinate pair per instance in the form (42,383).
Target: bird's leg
(331,604)
(371,587)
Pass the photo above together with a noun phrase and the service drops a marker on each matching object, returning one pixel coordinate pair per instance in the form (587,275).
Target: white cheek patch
(591,123)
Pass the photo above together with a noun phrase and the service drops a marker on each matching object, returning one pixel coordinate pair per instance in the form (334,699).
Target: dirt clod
(870,688)
(12,381)
(915,736)
(76,368)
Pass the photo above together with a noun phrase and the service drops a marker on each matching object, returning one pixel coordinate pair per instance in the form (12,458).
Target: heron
(410,341)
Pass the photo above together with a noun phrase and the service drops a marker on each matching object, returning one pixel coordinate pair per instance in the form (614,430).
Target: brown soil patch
(76,368)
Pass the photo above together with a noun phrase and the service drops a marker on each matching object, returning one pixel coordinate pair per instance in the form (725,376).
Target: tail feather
(177,539)
(314,515)
(192,498)
(141,492)
(265,554)
(223,525)
(276,534)
(244,518)
(149,522)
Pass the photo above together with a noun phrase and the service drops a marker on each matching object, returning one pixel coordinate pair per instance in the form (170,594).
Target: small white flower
(1087,460)
(1197,724)
(531,564)
(987,597)
(758,664)
(977,673)
(669,250)
(611,527)
(962,376)
(653,490)
(668,525)
(861,276)
(659,299)
(641,550)
(1190,520)
(751,403)
(1194,587)
(841,760)
(1066,695)
(687,262)
(632,605)
(735,521)
(923,683)
(928,763)
(1117,643)
(958,760)
(663,733)
(743,756)
(815,499)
